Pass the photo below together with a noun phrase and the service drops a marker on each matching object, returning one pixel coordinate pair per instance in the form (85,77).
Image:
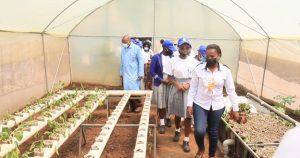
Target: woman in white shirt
(205,98)
(179,74)
(148,53)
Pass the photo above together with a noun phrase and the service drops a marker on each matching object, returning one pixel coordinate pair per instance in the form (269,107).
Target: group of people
(184,85)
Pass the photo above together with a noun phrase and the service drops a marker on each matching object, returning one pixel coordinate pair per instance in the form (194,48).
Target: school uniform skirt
(177,101)
(160,95)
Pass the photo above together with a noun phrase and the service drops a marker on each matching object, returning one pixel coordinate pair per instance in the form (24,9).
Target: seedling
(283,101)
(244,107)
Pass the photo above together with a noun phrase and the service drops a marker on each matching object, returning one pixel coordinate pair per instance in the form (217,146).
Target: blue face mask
(203,59)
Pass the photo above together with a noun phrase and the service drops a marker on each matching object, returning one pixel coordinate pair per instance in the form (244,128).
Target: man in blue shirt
(131,69)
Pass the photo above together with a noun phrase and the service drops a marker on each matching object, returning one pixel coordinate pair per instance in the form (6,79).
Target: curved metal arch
(89,15)
(219,16)
(44,30)
(267,49)
(257,23)
(218,12)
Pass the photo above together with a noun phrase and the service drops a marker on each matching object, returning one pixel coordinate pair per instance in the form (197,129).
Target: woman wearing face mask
(161,82)
(179,74)
(147,52)
(205,98)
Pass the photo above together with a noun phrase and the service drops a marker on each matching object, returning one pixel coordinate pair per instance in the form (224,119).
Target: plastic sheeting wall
(251,64)
(95,42)
(57,60)
(282,73)
(22,69)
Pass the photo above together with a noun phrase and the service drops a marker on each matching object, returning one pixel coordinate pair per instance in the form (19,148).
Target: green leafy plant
(37,146)
(296,112)
(26,154)
(244,107)
(46,113)
(58,86)
(56,128)
(283,101)
(13,154)
(82,87)
(6,135)
(7,116)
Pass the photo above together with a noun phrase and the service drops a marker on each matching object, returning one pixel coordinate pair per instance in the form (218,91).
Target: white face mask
(146,49)
(125,45)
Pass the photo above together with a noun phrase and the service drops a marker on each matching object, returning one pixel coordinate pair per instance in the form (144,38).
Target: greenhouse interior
(61,94)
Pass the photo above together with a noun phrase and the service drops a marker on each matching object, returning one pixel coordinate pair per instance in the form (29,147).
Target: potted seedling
(38,147)
(33,123)
(18,134)
(7,116)
(88,105)
(283,101)
(46,113)
(77,115)
(41,118)
(244,109)
(48,143)
(72,120)
(52,135)
(55,129)
(6,136)
(26,154)
(20,114)
(24,126)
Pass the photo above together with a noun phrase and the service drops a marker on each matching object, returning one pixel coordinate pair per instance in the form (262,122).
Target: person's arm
(152,69)
(230,89)
(171,80)
(193,89)
(121,67)
(140,59)
(169,71)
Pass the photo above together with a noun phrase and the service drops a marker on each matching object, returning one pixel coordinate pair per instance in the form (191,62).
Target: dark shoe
(176,136)
(138,109)
(186,146)
(162,129)
(168,122)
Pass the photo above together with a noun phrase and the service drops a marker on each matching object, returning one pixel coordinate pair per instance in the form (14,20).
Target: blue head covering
(202,50)
(183,40)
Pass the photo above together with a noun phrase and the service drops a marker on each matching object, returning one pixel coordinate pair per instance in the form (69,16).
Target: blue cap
(140,43)
(183,40)
(202,50)
(169,44)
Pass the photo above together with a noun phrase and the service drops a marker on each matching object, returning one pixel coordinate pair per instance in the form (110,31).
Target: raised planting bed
(11,120)
(65,129)
(26,130)
(261,128)
(259,136)
(100,142)
(140,149)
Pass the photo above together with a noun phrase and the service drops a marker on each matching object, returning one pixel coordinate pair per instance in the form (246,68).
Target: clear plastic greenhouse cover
(243,16)
(44,41)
